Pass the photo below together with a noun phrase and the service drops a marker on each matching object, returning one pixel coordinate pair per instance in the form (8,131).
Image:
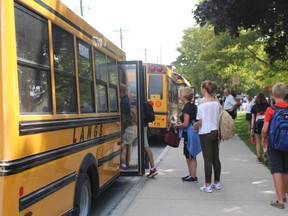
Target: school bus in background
(183,82)
(161,87)
(59,110)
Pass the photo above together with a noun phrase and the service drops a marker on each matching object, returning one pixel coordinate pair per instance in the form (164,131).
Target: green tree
(269,17)
(224,59)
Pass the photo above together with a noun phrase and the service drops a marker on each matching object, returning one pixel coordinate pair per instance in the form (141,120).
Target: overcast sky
(153,25)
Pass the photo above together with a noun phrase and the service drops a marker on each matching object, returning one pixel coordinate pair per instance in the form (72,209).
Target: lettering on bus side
(99,41)
(91,132)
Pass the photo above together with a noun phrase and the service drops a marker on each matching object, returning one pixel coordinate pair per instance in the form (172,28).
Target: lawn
(241,126)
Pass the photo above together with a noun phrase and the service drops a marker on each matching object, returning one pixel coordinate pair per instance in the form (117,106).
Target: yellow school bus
(59,110)
(161,86)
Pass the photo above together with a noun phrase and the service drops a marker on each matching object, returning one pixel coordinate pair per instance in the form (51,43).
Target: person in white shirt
(250,103)
(208,114)
(230,104)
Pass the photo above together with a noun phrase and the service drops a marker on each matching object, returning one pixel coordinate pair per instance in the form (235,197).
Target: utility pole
(81,8)
(160,55)
(145,53)
(121,36)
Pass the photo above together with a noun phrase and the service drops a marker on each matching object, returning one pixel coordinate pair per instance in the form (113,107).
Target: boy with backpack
(278,158)
(149,116)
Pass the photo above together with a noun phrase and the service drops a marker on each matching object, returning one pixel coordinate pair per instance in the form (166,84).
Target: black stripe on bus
(40,2)
(33,127)
(106,158)
(41,193)
(22,164)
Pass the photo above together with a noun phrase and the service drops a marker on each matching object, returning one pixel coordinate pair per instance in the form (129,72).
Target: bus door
(132,81)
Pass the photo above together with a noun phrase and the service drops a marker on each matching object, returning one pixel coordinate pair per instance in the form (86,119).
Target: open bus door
(131,75)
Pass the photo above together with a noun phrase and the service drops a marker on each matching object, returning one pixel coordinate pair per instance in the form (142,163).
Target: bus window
(112,85)
(65,77)
(100,65)
(112,71)
(33,62)
(102,102)
(155,86)
(113,100)
(101,81)
(85,78)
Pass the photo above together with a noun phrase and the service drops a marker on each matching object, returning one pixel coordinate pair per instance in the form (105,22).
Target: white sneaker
(207,189)
(216,186)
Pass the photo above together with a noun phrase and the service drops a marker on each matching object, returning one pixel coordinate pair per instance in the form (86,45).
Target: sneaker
(153,172)
(276,204)
(190,179)
(207,189)
(123,167)
(185,177)
(259,159)
(216,186)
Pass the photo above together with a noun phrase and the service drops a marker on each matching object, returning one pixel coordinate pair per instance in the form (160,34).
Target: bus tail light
(152,69)
(156,69)
(160,69)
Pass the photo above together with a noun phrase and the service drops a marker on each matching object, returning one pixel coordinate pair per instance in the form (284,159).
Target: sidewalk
(247,187)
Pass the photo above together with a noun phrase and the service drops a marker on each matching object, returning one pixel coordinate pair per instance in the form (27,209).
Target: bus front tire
(85,197)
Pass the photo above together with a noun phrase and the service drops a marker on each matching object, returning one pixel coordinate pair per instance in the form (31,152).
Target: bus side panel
(40,177)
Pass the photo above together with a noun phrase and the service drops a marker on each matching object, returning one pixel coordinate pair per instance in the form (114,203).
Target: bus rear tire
(85,197)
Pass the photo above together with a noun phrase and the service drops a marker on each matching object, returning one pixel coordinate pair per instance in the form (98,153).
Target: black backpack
(149,114)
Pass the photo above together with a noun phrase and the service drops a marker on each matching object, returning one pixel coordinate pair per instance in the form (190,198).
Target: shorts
(248,116)
(278,161)
(258,127)
(185,149)
(129,135)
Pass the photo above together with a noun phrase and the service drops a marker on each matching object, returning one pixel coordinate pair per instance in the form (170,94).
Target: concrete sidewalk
(247,187)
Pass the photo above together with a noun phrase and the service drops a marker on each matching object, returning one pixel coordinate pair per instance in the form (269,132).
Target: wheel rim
(85,199)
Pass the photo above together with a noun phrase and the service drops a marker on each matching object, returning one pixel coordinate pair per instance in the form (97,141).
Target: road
(107,201)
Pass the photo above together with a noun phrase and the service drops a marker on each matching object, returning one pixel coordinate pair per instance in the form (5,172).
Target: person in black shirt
(188,114)
(257,121)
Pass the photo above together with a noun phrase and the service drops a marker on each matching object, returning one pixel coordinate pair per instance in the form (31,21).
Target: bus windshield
(155,86)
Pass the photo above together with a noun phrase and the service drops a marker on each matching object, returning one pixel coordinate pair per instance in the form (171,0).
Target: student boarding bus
(181,80)
(60,120)
(162,93)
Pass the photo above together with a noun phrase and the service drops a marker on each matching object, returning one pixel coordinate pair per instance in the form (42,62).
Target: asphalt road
(105,204)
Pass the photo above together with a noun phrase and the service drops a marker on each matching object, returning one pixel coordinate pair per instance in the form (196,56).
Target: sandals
(276,204)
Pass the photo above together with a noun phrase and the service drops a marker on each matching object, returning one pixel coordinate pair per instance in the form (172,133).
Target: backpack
(149,114)
(259,121)
(226,126)
(278,129)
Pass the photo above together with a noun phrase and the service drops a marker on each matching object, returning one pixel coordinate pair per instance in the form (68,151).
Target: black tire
(85,197)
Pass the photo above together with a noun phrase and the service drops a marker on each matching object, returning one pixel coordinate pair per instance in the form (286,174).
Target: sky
(151,29)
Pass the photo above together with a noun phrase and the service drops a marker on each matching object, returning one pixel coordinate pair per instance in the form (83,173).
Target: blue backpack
(278,129)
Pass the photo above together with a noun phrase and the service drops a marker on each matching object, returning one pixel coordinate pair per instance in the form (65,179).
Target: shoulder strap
(276,107)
